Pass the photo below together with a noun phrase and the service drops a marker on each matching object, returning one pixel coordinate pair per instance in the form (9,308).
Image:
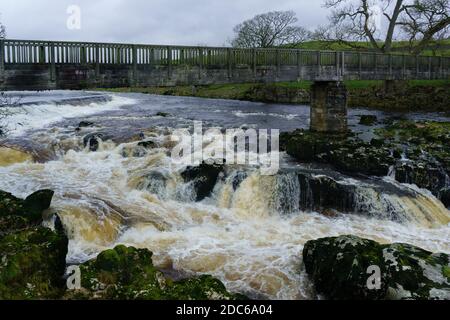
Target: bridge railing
(58,52)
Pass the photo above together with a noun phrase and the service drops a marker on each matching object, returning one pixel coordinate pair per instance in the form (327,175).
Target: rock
(93,141)
(339,268)
(164,114)
(377,142)
(359,158)
(33,258)
(346,153)
(368,120)
(33,264)
(414,273)
(426,174)
(445,197)
(84,124)
(320,193)
(147,144)
(203,177)
(31,208)
(37,202)
(127,273)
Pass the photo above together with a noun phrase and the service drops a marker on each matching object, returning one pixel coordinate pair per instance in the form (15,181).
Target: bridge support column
(329,107)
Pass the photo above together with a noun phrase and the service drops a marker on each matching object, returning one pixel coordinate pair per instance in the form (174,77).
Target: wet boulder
(338,267)
(445,197)
(93,140)
(414,273)
(203,178)
(163,114)
(368,120)
(344,268)
(148,144)
(426,174)
(127,273)
(31,208)
(37,202)
(84,124)
(319,193)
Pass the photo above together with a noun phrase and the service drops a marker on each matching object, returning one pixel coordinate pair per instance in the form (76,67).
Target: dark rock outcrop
(347,153)
(368,120)
(31,208)
(163,114)
(340,270)
(445,197)
(84,124)
(203,177)
(93,140)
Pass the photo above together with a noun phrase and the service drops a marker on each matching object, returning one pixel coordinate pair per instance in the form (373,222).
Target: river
(249,234)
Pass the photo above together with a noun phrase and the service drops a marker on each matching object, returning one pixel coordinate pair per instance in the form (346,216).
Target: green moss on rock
(127,273)
(32,258)
(345,152)
(31,208)
(338,267)
(32,264)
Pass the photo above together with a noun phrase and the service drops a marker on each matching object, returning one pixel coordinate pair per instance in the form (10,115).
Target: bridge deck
(51,64)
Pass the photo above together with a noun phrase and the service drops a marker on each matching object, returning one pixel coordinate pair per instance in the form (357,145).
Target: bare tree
(426,21)
(271,29)
(381,22)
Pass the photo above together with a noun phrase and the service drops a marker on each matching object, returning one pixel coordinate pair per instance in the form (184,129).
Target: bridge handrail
(14,51)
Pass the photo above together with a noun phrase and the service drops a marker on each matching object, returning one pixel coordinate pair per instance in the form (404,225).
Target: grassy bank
(423,95)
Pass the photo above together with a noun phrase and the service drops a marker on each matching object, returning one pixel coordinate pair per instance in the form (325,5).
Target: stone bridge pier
(329,107)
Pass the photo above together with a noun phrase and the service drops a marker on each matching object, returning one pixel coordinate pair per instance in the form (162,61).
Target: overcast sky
(184,22)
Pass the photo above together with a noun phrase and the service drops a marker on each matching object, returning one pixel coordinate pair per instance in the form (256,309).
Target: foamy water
(38,116)
(251,238)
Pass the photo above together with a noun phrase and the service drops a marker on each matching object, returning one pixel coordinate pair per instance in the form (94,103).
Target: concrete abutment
(329,107)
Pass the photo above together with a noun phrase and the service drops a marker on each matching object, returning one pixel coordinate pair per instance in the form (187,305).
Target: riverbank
(429,96)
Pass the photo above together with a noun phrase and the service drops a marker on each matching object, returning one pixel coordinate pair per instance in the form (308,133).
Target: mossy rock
(339,270)
(127,273)
(338,267)
(32,265)
(31,208)
(345,152)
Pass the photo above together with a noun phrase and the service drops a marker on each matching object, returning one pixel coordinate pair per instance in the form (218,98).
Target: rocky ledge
(412,152)
(343,268)
(33,263)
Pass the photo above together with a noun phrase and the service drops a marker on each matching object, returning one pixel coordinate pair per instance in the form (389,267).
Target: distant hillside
(437,48)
